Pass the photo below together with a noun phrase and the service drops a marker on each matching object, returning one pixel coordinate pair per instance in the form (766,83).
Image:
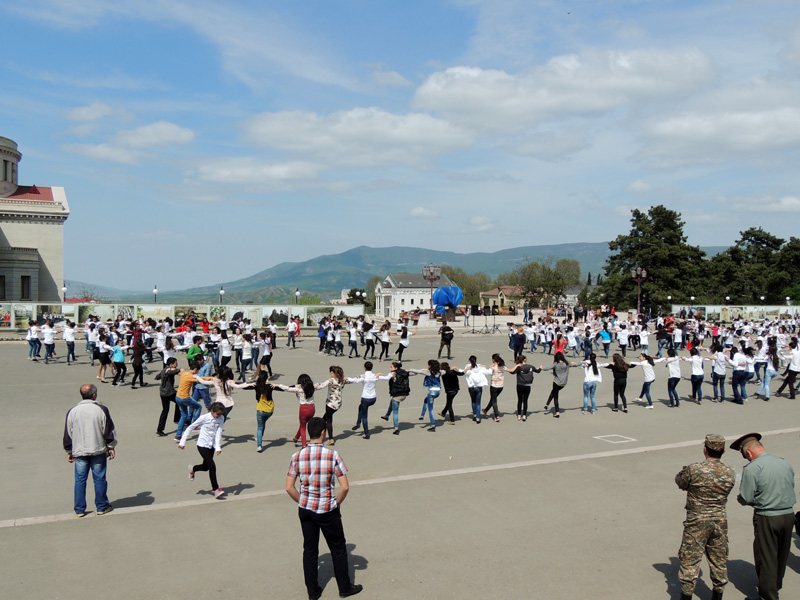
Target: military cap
(715,442)
(746,438)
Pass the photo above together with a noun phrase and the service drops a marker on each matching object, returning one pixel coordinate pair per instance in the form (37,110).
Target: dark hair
(620,363)
(520,359)
(225,374)
(433,366)
(559,357)
(772,352)
(593,362)
(368,366)
(671,352)
(338,373)
(444,366)
(648,359)
(172,361)
(404,332)
(498,360)
(473,360)
(196,339)
(694,351)
(262,387)
(315,427)
(305,382)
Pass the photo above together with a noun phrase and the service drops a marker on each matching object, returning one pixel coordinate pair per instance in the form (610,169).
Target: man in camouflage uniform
(705,530)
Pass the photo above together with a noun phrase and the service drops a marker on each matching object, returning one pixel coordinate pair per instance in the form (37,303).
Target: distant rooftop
(31,192)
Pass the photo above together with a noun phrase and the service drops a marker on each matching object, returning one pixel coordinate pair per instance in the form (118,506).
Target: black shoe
(385,417)
(366,437)
(356,589)
(316,595)
(354,427)
(161,433)
(396,432)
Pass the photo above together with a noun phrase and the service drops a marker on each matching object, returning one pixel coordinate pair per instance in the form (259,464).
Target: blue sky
(248,133)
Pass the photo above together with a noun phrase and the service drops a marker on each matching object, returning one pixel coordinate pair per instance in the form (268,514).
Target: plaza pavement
(548,508)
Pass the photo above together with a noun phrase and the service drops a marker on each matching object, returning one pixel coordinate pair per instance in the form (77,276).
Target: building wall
(392,301)
(48,239)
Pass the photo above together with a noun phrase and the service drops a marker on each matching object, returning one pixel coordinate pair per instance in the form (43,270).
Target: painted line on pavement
(380,480)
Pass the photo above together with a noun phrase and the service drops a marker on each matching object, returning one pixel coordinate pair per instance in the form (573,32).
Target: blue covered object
(447,296)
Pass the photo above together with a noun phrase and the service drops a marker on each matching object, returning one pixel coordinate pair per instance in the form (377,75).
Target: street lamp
(297,295)
(638,275)
(692,299)
(762,299)
(64,290)
(358,297)
(787,300)
(221,294)
(155,294)
(431,273)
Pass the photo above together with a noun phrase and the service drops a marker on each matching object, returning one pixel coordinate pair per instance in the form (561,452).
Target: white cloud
(107,152)
(362,137)
(157,134)
(421,212)
(770,204)
(589,83)
(84,130)
(709,138)
(552,145)
(479,224)
(252,171)
(92,112)
(639,187)
(392,78)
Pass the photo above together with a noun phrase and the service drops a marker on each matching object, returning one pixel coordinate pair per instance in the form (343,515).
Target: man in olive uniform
(705,530)
(768,486)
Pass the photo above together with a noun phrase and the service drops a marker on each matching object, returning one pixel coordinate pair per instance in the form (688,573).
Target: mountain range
(327,275)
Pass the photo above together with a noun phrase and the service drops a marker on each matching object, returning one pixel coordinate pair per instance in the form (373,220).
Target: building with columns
(405,292)
(31,234)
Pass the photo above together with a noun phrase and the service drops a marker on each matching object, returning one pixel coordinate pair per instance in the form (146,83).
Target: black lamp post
(638,275)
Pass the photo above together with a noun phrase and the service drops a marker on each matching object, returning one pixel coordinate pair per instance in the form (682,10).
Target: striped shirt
(317,468)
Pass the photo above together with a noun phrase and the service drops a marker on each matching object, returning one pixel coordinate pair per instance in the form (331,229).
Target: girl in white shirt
(697,374)
(32,337)
(592,376)
(674,366)
(247,356)
(405,341)
(647,363)
(209,443)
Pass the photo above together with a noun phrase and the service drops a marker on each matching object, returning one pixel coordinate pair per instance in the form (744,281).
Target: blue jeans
(261,421)
(246,362)
(661,344)
(97,464)
(746,378)
(646,392)
(363,409)
(201,393)
(70,351)
(672,384)
(475,394)
(718,379)
(697,387)
(92,346)
(395,405)
(433,393)
(190,411)
(589,389)
(254,358)
(737,383)
(768,375)
(32,346)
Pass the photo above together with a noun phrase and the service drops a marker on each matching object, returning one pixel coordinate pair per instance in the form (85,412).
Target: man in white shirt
(291,330)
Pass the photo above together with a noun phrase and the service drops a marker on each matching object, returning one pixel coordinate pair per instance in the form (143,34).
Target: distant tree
(545,282)
(656,242)
(598,280)
(352,298)
(309,299)
(471,284)
(370,289)
(589,279)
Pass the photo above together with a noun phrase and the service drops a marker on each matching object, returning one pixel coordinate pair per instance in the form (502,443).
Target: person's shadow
(140,499)
(741,575)
(230,490)
(354,563)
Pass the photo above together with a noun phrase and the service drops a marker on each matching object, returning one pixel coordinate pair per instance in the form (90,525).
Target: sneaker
(161,433)
(583,412)
(133,387)
(524,417)
(259,449)
(484,411)
(650,406)
(356,426)
(557,415)
(191,472)
(396,432)
(421,417)
(365,436)
(385,417)
(450,422)
(331,442)
(432,429)
(78,515)
(519,417)
(497,419)
(218,492)
(177,439)
(106,510)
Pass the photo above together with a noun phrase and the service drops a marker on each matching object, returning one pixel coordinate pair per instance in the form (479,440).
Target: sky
(201,142)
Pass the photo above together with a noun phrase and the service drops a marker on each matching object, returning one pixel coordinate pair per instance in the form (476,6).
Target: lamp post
(64,291)
(638,275)
(762,299)
(431,273)
(155,294)
(788,300)
(297,295)
(221,294)
(727,299)
(358,297)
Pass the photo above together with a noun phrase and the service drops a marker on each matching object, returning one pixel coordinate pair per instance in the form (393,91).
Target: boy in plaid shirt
(318,468)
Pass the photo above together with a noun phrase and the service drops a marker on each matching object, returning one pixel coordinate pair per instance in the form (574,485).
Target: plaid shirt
(317,468)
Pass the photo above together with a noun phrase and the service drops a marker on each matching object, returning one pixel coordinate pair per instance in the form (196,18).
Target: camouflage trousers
(703,537)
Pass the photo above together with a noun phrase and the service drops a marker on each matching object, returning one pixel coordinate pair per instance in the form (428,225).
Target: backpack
(525,375)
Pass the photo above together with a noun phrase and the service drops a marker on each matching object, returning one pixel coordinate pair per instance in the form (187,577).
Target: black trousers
(789,381)
(162,419)
(773,541)
(448,407)
(370,346)
(138,371)
(208,465)
(330,523)
(523,393)
(619,392)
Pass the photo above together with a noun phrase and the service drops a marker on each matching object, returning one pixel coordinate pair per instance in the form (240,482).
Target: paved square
(538,509)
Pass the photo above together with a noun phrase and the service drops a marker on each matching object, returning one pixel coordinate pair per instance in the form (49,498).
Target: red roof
(32,192)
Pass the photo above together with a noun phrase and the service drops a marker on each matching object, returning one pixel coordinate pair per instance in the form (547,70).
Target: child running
(209,443)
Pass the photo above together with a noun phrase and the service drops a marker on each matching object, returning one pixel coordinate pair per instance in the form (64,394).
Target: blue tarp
(447,296)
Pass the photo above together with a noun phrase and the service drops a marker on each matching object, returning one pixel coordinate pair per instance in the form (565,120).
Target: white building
(405,292)
(31,234)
